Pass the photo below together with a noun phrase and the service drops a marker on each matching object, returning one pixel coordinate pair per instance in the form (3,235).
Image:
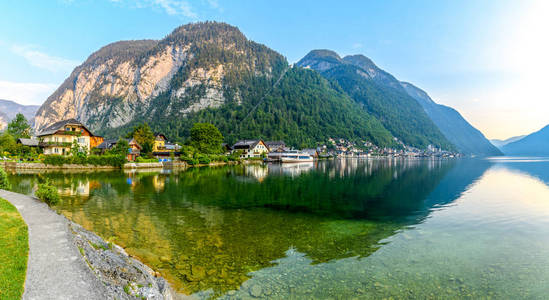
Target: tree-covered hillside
(303,109)
(381,95)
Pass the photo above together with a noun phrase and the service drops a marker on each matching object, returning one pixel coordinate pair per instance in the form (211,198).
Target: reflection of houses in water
(256,171)
(79,188)
(159,182)
(291,169)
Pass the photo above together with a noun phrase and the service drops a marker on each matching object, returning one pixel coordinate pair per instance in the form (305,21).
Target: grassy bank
(14,249)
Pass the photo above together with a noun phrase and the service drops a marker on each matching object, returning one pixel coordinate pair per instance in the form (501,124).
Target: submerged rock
(124,276)
(256,290)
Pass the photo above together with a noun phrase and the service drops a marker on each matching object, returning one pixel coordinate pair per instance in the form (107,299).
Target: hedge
(96,160)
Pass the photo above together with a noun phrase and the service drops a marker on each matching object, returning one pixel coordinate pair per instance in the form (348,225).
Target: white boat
(295,156)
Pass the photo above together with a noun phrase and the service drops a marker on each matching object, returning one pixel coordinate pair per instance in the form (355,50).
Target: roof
(107,144)
(275,143)
(158,135)
(59,125)
(310,151)
(28,142)
(246,144)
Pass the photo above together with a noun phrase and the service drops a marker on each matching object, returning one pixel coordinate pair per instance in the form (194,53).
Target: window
(81,140)
(55,150)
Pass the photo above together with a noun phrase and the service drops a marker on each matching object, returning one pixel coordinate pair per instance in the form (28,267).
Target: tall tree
(19,127)
(206,138)
(144,136)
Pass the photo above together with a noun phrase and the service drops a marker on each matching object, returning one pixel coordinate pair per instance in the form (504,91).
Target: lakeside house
(59,137)
(251,148)
(134,149)
(162,148)
(275,146)
(159,142)
(29,142)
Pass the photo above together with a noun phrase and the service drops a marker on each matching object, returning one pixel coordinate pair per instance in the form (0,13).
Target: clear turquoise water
(365,229)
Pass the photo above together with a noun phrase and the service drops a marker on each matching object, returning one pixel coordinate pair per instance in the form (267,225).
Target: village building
(251,148)
(134,149)
(58,138)
(163,149)
(29,142)
(312,152)
(159,142)
(275,146)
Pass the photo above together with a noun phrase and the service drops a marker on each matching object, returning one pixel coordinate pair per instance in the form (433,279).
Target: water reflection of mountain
(208,229)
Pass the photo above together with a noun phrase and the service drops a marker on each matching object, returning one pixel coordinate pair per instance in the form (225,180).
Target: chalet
(134,149)
(251,148)
(163,148)
(159,142)
(58,138)
(275,146)
(29,142)
(95,141)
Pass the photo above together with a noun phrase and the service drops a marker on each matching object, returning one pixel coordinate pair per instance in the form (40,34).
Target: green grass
(14,249)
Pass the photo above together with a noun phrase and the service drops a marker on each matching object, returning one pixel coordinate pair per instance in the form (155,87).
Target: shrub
(96,160)
(141,159)
(56,160)
(47,193)
(4,182)
(203,159)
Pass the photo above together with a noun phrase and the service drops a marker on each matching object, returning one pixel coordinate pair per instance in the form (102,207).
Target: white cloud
(176,7)
(214,4)
(25,92)
(44,61)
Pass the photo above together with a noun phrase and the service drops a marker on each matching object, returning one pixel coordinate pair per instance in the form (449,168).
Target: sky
(487,59)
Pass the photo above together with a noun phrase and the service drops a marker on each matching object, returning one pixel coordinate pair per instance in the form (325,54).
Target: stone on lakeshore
(256,291)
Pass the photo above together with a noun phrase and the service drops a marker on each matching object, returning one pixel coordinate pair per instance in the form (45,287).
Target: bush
(203,159)
(56,160)
(47,193)
(141,159)
(4,182)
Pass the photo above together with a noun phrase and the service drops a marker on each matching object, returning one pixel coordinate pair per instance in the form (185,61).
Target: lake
(340,229)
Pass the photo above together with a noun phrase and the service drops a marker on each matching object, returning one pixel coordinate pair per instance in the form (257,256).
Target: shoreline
(67,261)
(126,166)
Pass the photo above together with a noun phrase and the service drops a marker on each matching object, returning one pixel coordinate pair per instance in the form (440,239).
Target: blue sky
(484,58)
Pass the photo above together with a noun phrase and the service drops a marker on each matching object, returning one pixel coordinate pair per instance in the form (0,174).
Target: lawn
(14,249)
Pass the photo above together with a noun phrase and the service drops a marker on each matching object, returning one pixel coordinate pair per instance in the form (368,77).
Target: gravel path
(55,269)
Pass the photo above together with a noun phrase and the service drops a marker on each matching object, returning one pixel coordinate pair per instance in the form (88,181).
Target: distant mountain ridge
(9,109)
(500,143)
(534,144)
(396,102)
(467,138)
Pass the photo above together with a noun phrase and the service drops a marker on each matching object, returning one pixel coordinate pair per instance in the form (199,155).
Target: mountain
(535,144)
(455,128)
(407,111)
(8,110)
(207,72)
(380,94)
(501,143)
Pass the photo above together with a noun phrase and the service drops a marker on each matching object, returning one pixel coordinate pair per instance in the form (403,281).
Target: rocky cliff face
(121,81)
